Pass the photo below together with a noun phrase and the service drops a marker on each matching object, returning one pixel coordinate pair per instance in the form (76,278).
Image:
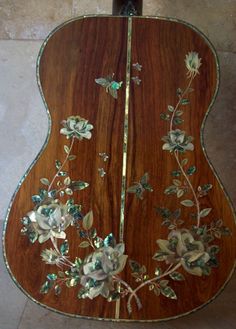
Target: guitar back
(143,87)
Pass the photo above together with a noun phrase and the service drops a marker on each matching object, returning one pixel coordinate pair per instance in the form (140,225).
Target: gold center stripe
(125,145)
(126,128)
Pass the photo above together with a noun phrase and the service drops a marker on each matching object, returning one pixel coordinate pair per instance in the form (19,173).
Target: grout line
(24,40)
(22,315)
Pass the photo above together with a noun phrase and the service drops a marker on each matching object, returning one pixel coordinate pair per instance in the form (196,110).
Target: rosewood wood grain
(76,54)
(160,47)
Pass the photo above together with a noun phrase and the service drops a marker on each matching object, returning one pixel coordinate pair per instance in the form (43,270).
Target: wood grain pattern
(74,56)
(160,46)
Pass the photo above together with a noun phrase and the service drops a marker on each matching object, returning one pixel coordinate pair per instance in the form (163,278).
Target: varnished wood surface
(80,52)
(74,56)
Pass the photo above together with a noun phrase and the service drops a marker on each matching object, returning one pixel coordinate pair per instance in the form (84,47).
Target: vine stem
(54,242)
(91,242)
(180,99)
(118,279)
(191,187)
(192,76)
(63,164)
(169,271)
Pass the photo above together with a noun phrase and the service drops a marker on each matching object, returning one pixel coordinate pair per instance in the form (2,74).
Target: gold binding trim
(125,145)
(126,128)
(208,42)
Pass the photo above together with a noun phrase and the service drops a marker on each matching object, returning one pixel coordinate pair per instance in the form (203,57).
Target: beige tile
(37,317)
(84,7)
(21,19)
(12,300)
(22,114)
(220,129)
(30,19)
(217,19)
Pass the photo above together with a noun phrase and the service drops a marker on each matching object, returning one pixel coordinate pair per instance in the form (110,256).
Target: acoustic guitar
(121,216)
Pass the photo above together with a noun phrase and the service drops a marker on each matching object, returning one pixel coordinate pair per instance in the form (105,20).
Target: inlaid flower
(193,62)
(99,268)
(77,127)
(176,140)
(50,220)
(181,247)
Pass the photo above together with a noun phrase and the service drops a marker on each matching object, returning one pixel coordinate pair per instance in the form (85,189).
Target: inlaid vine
(192,250)
(97,273)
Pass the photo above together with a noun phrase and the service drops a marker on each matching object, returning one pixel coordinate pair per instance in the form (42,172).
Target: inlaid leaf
(179,92)
(176,276)
(165,116)
(160,256)
(66,149)
(57,290)
(72,282)
(64,248)
(180,193)
(184,101)
(78,185)
(168,292)
(177,120)
(205,212)
(88,220)
(157,291)
(176,214)
(170,189)
(135,266)
(68,191)
(115,295)
(98,242)
(214,249)
(67,181)
(206,187)
(36,198)
(190,90)
(163,283)
(170,108)
(71,157)
(179,113)
(52,277)
(45,181)
(46,287)
(58,164)
(184,162)
(62,173)
(164,212)
(78,262)
(109,241)
(187,203)
(93,233)
(158,271)
(84,244)
(191,170)
(177,182)
(176,173)
(61,274)
(52,194)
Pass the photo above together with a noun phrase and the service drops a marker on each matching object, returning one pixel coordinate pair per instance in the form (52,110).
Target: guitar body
(171,214)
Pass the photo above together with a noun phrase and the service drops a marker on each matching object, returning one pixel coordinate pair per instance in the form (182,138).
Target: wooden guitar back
(129,130)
